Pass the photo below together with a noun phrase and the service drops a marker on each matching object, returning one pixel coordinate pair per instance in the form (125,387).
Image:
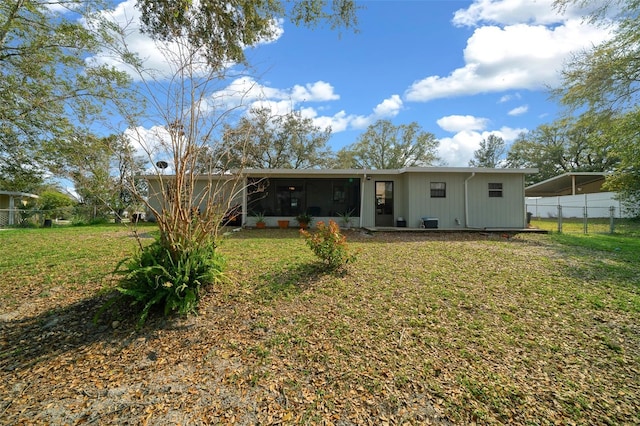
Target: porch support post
(11,210)
(245,212)
(364,180)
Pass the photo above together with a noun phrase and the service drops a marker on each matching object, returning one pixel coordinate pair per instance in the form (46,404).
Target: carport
(572,183)
(10,203)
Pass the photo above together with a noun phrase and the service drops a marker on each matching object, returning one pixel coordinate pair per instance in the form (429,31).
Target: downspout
(466,200)
(364,180)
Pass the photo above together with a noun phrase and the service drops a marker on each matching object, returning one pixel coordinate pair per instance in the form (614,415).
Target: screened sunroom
(290,196)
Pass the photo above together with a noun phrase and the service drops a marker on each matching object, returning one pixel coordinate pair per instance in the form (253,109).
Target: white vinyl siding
(495,189)
(491,207)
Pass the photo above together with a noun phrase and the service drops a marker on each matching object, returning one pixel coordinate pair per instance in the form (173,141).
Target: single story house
(444,197)
(575,193)
(10,203)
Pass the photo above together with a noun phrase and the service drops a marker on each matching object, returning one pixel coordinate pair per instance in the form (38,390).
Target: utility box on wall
(430,222)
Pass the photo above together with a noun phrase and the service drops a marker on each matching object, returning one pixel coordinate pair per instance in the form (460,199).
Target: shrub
(329,245)
(154,277)
(83,221)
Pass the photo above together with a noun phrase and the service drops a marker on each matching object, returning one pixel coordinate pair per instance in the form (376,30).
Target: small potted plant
(260,222)
(346,218)
(304,219)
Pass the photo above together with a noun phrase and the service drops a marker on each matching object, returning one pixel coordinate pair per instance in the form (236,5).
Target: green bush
(155,277)
(27,223)
(329,245)
(79,220)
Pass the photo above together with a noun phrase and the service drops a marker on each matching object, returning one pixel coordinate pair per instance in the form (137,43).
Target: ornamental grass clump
(329,245)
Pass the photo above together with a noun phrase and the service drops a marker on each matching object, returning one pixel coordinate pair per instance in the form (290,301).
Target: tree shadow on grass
(269,233)
(28,341)
(292,281)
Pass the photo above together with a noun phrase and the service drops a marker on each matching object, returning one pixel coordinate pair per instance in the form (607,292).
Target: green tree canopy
(490,153)
(261,140)
(386,146)
(54,203)
(223,29)
(563,146)
(603,85)
(46,87)
(102,170)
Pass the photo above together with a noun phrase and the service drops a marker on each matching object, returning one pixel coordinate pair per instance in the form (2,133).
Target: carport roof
(567,184)
(18,194)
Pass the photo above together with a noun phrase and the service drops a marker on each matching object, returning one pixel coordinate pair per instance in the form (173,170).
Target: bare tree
(188,202)
(186,119)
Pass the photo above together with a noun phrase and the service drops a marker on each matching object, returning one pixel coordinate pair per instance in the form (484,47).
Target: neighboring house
(576,193)
(10,204)
(451,197)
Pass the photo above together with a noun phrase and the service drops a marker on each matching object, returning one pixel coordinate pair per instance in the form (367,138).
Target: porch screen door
(384,203)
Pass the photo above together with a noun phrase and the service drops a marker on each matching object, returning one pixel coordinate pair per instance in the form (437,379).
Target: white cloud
(248,93)
(509,12)
(338,122)
(514,57)
(390,107)
(519,110)
(456,151)
(507,98)
(342,121)
(459,123)
(314,92)
(508,134)
(150,144)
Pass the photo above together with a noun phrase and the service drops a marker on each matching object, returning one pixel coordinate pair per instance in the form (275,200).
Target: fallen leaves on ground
(420,330)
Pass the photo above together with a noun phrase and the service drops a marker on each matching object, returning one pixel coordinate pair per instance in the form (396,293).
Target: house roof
(358,172)
(571,183)
(253,172)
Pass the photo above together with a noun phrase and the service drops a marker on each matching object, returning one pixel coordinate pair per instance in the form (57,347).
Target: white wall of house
(496,212)
(446,209)
(467,202)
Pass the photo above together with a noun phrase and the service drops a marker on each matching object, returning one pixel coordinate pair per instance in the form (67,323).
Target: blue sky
(460,69)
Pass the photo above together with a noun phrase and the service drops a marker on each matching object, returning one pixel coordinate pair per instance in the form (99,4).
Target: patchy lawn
(423,328)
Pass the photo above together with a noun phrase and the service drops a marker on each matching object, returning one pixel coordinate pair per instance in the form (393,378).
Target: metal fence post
(584,220)
(612,211)
(559,219)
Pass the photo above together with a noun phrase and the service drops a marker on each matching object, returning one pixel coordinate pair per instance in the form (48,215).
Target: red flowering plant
(329,245)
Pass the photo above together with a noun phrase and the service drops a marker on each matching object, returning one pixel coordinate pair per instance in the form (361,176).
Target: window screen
(438,190)
(495,190)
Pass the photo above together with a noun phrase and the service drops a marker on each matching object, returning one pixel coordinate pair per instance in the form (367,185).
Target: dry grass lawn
(422,329)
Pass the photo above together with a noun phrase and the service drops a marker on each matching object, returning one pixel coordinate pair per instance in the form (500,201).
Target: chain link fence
(579,219)
(81,214)
(21,217)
